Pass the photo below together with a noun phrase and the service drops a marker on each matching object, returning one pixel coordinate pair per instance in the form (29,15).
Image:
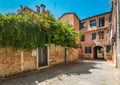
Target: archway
(98,52)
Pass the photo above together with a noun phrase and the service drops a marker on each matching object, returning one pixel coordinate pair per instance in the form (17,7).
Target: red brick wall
(69,18)
(73,54)
(76,23)
(73,20)
(88,35)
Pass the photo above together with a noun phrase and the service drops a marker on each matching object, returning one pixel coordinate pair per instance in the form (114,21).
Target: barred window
(83,38)
(108,48)
(93,36)
(101,35)
(88,49)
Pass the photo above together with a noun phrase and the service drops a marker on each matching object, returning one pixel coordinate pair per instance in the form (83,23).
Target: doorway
(98,52)
(66,55)
(42,57)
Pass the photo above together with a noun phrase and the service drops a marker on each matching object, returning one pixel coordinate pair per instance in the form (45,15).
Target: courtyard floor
(87,72)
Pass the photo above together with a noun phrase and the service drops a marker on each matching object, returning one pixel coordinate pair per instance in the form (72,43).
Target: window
(83,25)
(110,17)
(83,38)
(93,36)
(108,48)
(101,35)
(93,22)
(88,50)
(101,22)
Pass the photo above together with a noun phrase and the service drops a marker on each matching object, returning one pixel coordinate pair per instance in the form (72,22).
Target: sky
(83,8)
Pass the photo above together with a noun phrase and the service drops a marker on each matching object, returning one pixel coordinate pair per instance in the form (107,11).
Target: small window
(101,35)
(101,22)
(83,38)
(83,25)
(110,17)
(93,22)
(88,49)
(108,48)
(93,36)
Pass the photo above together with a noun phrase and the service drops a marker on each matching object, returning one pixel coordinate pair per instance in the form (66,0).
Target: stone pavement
(85,72)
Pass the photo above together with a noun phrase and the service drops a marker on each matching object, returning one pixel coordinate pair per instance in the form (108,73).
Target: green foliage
(32,30)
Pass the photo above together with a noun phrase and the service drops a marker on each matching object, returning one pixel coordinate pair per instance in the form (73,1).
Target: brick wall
(72,19)
(30,62)
(57,54)
(74,54)
(10,62)
(69,18)
(95,29)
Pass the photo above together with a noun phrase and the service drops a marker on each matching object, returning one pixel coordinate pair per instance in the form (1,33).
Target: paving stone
(87,72)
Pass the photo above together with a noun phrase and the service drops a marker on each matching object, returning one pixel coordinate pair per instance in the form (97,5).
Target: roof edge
(69,13)
(97,15)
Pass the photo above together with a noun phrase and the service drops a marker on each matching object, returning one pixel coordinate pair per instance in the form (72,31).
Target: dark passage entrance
(42,57)
(98,52)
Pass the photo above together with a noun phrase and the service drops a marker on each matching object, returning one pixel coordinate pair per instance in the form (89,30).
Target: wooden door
(43,57)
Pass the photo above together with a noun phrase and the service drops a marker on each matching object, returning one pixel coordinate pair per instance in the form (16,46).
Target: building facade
(118,33)
(115,31)
(95,33)
(95,37)
(72,18)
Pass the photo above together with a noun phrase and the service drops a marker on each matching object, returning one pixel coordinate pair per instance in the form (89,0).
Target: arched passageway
(98,52)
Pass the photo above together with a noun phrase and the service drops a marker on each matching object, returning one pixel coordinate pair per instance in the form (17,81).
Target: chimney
(43,7)
(37,9)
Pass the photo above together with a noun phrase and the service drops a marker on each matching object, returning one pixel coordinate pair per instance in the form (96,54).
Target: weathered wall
(30,62)
(95,29)
(10,62)
(57,54)
(72,19)
(74,54)
(69,18)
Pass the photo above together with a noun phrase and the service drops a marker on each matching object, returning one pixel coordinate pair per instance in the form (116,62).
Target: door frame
(47,58)
(103,52)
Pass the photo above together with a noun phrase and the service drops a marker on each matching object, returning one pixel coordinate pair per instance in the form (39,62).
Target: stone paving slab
(87,72)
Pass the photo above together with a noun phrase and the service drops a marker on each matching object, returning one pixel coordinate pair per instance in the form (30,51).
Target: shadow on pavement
(74,68)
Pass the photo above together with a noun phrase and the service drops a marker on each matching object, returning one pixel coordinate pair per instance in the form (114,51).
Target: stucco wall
(57,54)
(10,62)
(30,62)
(74,54)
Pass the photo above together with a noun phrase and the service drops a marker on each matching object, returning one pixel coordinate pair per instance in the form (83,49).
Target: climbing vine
(32,30)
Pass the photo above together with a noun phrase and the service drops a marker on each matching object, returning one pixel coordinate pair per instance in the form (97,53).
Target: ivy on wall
(32,30)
